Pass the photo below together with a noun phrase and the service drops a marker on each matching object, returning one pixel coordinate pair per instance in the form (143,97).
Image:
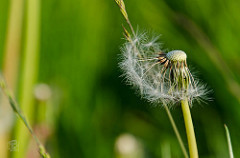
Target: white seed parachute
(158,76)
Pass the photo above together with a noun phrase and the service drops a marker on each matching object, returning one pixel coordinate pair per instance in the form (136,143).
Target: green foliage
(92,106)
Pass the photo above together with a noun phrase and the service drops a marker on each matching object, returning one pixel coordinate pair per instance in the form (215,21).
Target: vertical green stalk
(10,63)
(13,42)
(192,144)
(176,131)
(230,150)
(29,72)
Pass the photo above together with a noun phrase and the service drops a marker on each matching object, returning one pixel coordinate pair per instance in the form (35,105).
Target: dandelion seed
(159,76)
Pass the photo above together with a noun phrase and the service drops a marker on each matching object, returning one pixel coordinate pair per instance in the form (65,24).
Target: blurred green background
(63,69)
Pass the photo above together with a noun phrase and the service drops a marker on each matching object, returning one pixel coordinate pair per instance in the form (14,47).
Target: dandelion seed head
(176,55)
(159,76)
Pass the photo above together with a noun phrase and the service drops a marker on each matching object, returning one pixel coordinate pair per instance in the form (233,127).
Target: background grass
(91,105)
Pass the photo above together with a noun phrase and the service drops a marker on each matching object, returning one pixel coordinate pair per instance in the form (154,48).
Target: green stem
(176,131)
(11,63)
(29,71)
(229,142)
(17,110)
(189,129)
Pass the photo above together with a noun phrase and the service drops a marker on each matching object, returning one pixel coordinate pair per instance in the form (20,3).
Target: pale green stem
(11,64)
(13,42)
(192,144)
(176,131)
(229,142)
(29,71)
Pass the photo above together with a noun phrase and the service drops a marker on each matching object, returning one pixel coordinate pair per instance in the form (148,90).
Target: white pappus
(159,76)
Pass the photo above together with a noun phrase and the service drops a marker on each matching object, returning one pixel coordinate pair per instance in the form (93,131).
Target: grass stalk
(29,71)
(17,110)
(176,132)
(10,63)
(192,144)
(13,42)
(121,5)
(229,142)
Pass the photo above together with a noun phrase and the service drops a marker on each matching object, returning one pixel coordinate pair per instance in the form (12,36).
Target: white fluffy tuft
(142,71)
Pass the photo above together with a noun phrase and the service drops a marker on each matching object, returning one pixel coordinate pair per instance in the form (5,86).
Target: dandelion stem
(229,142)
(176,132)
(189,129)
